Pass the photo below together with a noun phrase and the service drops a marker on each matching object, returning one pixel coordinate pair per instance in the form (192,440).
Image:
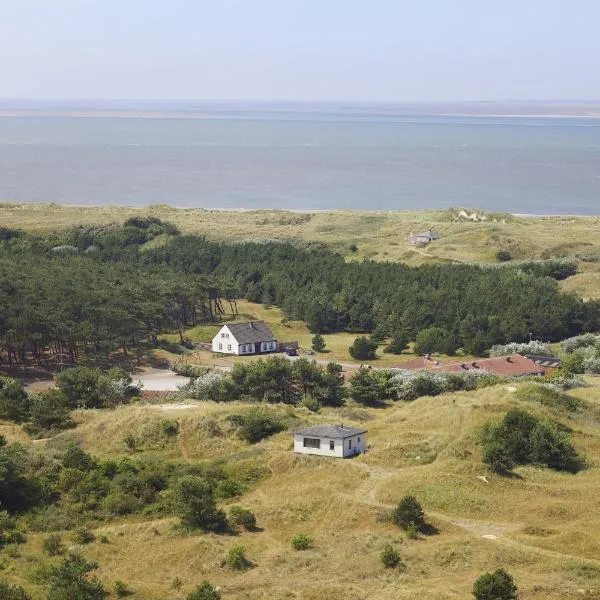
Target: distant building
(549,363)
(505,366)
(422,239)
(254,337)
(330,440)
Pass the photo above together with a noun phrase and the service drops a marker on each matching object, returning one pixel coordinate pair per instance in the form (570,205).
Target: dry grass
(546,524)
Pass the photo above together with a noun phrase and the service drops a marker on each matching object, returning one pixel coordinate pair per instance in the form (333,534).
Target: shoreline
(8,204)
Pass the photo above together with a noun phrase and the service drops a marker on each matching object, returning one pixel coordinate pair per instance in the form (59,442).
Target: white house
(422,239)
(330,440)
(254,337)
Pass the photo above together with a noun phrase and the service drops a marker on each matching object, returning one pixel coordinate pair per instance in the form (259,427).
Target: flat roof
(330,431)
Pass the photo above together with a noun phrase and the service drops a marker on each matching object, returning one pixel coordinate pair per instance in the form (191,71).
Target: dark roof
(331,431)
(544,361)
(251,332)
(430,235)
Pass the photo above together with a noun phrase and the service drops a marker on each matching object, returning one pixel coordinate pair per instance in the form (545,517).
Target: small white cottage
(330,440)
(254,337)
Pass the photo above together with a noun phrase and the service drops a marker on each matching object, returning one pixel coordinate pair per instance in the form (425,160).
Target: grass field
(337,344)
(543,526)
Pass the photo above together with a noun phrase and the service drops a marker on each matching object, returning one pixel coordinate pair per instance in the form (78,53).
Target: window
(331,445)
(358,439)
(220,346)
(349,444)
(312,443)
(242,349)
(222,335)
(229,347)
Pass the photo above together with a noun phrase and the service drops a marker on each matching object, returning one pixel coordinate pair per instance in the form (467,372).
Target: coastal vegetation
(198,494)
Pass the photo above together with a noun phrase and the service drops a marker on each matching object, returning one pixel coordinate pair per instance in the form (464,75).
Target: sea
(302,157)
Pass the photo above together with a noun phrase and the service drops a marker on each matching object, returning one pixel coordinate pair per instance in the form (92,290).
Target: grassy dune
(545,525)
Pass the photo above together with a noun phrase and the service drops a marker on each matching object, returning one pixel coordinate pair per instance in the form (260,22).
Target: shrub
(311,403)
(390,557)
(521,438)
(82,535)
(586,340)
(211,385)
(121,589)
(533,347)
(9,533)
(409,512)
(318,343)
(301,542)
(195,504)
(71,579)
(242,517)
(53,545)
(256,424)
(498,585)
(187,370)
(14,402)
(48,413)
(363,349)
(9,592)
(205,591)
(236,559)
(397,345)
(169,427)
(227,488)
(503,256)
(573,364)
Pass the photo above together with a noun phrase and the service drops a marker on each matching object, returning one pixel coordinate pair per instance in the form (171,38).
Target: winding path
(367,493)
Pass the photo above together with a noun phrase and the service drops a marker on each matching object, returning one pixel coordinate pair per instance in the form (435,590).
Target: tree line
(102,288)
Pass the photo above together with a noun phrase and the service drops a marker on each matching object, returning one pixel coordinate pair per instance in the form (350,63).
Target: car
(291,351)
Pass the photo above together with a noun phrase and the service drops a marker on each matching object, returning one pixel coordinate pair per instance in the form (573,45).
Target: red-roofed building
(505,366)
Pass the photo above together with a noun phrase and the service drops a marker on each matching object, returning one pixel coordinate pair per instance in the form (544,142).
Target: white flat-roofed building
(330,440)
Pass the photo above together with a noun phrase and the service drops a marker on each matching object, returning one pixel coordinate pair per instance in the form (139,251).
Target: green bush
(195,504)
(521,438)
(236,559)
(227,488)
(363,349)
(121,589)
(256,424)
(53,545)
(71,579)
(311,403)
(9,592)
(187,370)
(318,343)
(242,517)
(82,535)
(169,427)
(409,512)
(390,557)
(205,591)
(498,585)
(301,542)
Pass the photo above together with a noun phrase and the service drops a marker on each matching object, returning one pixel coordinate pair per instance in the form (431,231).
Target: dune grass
(545,524)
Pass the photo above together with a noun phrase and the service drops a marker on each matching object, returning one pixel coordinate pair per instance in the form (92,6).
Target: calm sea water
(363,160)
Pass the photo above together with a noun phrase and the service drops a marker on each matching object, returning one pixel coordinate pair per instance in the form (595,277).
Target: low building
(551,364)
(330,440)
(254,337)
(422,239)
(504,366)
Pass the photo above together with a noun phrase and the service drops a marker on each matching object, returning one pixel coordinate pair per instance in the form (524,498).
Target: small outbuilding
(422,239)
(330,440)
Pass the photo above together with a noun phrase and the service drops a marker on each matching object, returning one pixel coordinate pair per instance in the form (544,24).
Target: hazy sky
(378,50)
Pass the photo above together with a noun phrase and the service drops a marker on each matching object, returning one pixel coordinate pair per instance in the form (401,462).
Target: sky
(301,50)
